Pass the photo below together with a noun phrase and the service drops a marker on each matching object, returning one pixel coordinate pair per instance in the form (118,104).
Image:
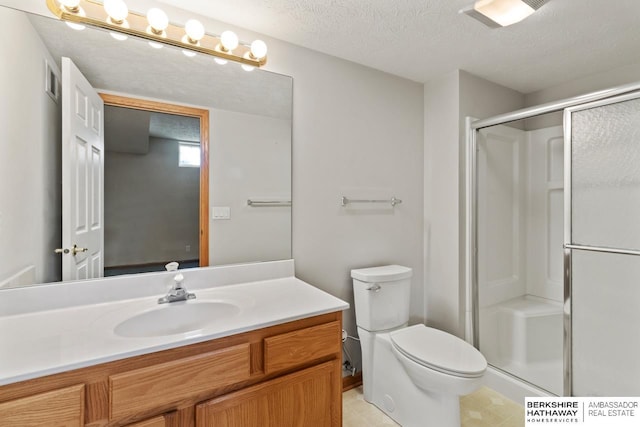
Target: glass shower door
(602,240)
(519,225)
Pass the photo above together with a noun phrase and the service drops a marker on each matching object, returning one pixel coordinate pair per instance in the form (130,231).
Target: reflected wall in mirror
(249,143)
(152,202)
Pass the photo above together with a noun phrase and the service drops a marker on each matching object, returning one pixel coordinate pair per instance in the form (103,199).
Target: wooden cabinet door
(304,398)
(61,408)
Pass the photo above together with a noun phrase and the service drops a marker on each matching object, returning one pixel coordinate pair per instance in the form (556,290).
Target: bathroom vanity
(274,362)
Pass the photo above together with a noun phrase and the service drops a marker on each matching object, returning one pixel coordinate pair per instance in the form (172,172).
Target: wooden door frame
(180,110)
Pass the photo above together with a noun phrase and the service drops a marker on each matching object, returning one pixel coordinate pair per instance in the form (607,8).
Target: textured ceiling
(422,39)
(170,126)
(127,130)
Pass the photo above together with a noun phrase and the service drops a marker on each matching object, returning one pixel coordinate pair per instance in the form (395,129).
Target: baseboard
(350,382)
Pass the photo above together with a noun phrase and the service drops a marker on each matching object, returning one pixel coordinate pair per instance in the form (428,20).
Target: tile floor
(484,408)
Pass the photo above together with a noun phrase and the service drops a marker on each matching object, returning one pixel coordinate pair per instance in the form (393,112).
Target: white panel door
(82,176)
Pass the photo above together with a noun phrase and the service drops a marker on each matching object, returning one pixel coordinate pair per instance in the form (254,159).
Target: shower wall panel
(501,227)
(545,199)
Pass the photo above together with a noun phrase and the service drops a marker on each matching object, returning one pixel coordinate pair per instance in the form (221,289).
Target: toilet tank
(382,296)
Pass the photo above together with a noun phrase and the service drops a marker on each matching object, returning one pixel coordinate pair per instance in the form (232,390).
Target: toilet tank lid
(386,273)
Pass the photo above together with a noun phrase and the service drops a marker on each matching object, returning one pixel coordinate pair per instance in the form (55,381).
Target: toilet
(415,374)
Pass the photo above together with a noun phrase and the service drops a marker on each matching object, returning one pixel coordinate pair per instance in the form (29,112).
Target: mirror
(249,142)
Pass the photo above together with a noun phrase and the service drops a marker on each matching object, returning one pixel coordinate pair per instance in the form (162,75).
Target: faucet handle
(178,278)
(172,266)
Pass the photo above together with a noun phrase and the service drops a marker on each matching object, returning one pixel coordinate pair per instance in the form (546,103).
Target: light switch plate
(221,212)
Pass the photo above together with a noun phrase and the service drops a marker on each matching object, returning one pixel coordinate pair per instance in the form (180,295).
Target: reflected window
(188,155)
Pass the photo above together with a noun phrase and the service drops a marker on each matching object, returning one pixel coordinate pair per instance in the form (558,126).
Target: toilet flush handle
(375,288)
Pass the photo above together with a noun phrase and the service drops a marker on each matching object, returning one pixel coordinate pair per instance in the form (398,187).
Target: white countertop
(40,343)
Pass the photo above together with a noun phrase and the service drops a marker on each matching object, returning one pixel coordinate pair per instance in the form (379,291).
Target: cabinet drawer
(168,383)
(298,347)
(62,408)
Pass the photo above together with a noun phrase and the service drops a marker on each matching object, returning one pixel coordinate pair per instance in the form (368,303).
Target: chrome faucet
(177,291)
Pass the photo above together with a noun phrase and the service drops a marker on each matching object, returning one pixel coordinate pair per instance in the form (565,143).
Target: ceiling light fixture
(114,15)
(502,13)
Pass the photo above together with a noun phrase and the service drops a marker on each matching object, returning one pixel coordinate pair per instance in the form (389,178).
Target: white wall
(30,166)
(448,101)
(151,206)
(355,131)
(250,158)
(599,81)
(441,204)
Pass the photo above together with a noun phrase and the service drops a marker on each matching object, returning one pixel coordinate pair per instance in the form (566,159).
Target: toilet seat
(440,351)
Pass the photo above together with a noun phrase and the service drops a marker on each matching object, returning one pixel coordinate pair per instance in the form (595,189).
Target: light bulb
(188,53)
(70,5)
(117,10)
(194,30)
(229,40)
(220,61)
(158,20)
(258,49)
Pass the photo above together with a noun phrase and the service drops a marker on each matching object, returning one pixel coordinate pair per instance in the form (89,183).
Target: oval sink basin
(175,318)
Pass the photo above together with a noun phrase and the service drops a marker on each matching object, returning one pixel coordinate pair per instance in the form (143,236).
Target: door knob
(74,250)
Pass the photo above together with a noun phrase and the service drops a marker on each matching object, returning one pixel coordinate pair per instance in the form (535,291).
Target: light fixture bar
(93,13)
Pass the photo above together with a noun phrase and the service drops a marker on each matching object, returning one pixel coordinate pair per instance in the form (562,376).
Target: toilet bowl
(415,374)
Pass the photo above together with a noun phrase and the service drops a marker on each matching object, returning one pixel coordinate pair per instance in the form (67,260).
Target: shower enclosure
(554,242)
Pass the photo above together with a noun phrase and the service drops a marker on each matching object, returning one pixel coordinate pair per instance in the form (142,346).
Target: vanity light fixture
(117,11)
(502,13)
(228,41)
(72,6)
(258,49)
(115,16)
(158,22)
(194,32)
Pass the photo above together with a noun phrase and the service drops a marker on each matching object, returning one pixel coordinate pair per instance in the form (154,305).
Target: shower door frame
(568,106)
